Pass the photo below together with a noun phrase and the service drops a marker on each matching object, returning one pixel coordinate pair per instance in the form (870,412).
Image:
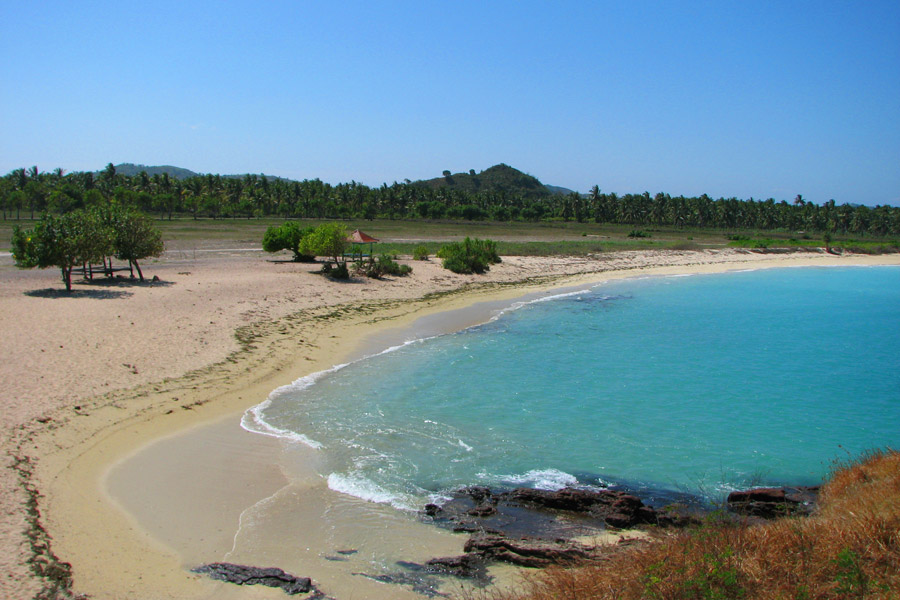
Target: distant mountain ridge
(130,170)
(499,178)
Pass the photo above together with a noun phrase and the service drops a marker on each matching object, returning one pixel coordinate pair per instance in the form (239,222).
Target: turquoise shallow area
(700,384)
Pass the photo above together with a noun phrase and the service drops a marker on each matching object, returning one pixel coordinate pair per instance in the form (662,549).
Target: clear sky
(747,99)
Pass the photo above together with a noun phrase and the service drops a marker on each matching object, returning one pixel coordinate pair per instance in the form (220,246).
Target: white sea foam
(366,489)
(522,304)
(542,479)
(464,446)
(256,424)
(254,421)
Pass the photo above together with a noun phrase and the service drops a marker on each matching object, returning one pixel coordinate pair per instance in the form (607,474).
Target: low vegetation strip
(850,548)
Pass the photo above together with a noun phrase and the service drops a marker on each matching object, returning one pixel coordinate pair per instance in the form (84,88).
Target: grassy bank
(849,549)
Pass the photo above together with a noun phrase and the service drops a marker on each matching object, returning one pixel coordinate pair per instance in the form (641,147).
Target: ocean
(694,385)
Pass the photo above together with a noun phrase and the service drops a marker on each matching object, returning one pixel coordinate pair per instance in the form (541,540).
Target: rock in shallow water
(244,575)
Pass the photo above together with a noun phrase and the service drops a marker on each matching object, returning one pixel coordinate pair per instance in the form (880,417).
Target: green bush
(287,236)
(383,265)
(336,271)
(637,233)
(420,252)
(469,256)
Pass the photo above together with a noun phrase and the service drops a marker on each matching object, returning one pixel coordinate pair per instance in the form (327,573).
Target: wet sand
(154,477)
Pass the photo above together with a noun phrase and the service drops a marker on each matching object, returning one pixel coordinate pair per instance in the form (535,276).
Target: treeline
(32,192)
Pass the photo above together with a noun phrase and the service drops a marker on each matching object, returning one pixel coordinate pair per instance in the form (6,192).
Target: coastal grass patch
(557,238)
(545,248)
(850,548)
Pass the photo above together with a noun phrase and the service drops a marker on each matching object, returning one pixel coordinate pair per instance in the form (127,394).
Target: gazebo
(357,238)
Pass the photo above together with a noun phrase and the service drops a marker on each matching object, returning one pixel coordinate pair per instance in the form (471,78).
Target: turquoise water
(698,384)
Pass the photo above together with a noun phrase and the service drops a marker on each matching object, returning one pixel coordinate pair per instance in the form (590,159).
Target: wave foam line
(254,421)
(366,489)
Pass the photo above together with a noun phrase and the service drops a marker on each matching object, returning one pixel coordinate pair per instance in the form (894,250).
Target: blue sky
(745,99)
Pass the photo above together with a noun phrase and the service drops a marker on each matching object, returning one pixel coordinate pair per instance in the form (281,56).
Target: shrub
(287,236)
(328,239)
(383,265)
(469,256)
(420,252)
(637,233)
(336,271)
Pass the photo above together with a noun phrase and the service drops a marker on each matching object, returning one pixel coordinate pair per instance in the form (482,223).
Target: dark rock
(244,575)
(677,516)
(528,552)
(470,566)
(423,585)
(479,494)
(432,509)
(771,503)
(617,509)
(805,496)
(482,510)
(757,495)
(570,499)
(466,527)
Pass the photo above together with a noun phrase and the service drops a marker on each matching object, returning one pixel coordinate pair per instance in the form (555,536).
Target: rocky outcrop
(529,552)
(605,507)
(244,575)
(617,509)
(536,528)
(771,503)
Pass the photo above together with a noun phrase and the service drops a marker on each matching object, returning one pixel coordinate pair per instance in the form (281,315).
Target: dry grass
(849,549)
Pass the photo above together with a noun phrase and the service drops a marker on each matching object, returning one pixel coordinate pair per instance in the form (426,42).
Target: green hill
(499,178)
(495,179)
(130,170)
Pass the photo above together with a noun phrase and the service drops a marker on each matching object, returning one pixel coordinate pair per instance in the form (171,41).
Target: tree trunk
(131,267)
(67,277)
(88,269)
(140,273)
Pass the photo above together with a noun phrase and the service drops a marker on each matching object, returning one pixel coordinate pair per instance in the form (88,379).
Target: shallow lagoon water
(699,384)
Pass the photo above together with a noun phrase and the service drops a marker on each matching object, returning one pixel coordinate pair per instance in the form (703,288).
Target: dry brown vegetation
(850,548)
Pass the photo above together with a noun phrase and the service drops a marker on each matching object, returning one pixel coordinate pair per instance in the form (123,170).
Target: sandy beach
(122,402)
